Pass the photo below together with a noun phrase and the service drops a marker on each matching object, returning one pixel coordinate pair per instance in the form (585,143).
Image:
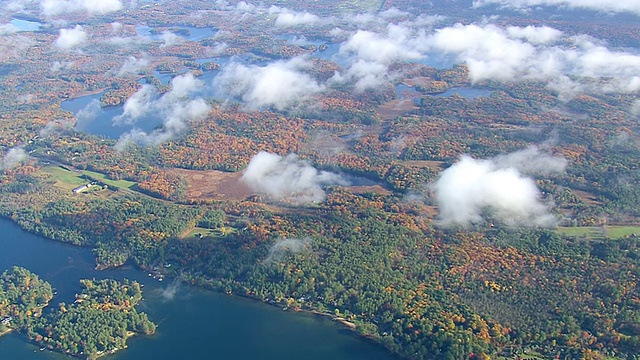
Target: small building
(82,188)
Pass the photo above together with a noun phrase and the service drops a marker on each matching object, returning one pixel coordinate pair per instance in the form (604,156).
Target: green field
(599,232)
(68,179)
(65,179)
(223,231)
(124,184)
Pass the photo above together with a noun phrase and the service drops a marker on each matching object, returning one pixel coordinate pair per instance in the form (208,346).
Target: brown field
(213,184)
(394,108)
(434,165)
(587,197)
(376,189)
(419,80)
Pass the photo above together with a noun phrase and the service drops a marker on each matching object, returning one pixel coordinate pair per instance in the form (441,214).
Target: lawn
(223,231)
(597,232)
(69,180)
(616,232)
(64,178)
(124,184)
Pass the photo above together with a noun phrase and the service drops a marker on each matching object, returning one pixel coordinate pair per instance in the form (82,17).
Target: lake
(193,323)
(25,25)
(466,92)
(99,120)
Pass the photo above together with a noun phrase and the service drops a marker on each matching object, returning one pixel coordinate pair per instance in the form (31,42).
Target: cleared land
(125,184)
(600,232)
(70,179)
(394,108)
(214,184)
(197,231)
(64,178)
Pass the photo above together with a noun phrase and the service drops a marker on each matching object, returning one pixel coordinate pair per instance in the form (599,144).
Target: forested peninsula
(99,322)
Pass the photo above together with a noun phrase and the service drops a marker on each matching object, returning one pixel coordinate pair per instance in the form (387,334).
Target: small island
(99,322)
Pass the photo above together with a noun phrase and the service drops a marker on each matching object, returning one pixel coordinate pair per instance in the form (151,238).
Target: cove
(193,323)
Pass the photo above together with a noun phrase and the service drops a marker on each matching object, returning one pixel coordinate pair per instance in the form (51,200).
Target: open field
(125,184)
(69,179)
(64,178)
(223,231)
(214,184)
(598,232)
(394,108)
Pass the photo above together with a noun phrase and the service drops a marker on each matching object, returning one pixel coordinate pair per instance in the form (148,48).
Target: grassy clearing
(69,180)
(125,184)
(221,232)
(64,178)
(616,232)
(597,232)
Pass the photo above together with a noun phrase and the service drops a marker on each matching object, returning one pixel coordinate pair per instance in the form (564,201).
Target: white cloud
(500,187)
(169,39)
(368,54)
(537,53)
(70,38)
(133,65)
(535,35)
(13,157)
(175,108)
(289,18)
(87,114)
(288,178)
(281,84)
(93,7)
(8,28)
(283,246)
(632,6)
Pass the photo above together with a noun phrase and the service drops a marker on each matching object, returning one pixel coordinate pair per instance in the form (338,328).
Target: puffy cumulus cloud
(56,126)
(169,39)
(488,51)
(16,5)
(568,64)
(288,178)
(393,13)
(93,7)
(8,28)
(289,18)
(283,246)
(14,46)
(500,187)
(176,108)
(87,114)
(632,6)
(534,34)
(280,85)
(368,54)
(13,157)
(133,65)
(396,45)
(70,38)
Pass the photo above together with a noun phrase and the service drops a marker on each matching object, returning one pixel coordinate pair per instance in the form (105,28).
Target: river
(193,323)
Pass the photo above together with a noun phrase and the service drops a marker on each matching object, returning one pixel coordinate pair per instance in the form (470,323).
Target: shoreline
(5,332)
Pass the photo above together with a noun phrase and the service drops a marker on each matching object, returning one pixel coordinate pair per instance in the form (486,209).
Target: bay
(192,322)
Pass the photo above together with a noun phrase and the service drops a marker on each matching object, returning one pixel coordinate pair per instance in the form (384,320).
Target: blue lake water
(192,323)
(466,92)
(195,34)
(25,25)
(99,120)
